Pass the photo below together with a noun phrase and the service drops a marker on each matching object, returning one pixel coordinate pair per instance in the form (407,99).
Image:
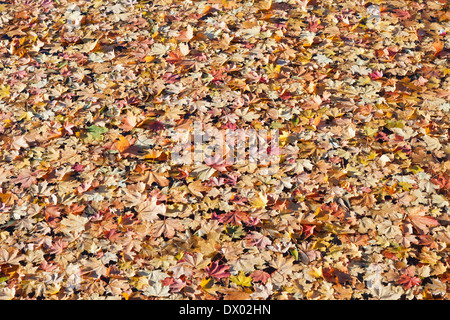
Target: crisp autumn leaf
(186,35)
(10,256)
(217,271)
(420,221)
(260,276)
(122,144)
(149,210)
(196,188)
(241,280)
(263,4)
(236,294)
(58,247)
(408,278)
(149,177)
(196,260)
(19,142)
(235,217)
(107,192)
(128,122)
(26,178)
(166,227)
(255,238)
(438,47)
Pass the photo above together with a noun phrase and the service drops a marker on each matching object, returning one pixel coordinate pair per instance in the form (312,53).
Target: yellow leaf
(316,272)
(259,201)
(241,280)
(415,169)
(321,245)
(283,138)
(153,154)
(208,285)
(4,91)
(405,185)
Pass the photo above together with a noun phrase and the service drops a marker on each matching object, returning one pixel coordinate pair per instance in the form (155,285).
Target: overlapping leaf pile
(92,205)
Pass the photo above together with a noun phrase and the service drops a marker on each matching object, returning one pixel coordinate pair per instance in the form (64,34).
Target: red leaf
(259,275)
(234,217)
(257,239)
(408,281)
(217,271)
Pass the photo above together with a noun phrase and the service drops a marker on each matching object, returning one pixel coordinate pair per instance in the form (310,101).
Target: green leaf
(276,125)
(235,231)
(96,132)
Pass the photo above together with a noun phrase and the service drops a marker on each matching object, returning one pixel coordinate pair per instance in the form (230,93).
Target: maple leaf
(207,284)
(439,47)
(175,57)
(157,290)
(26,178)
(235,217)
(260,276)
(68,126)
(402,14)
(122,144)
(376,75)
(58,247)
(282,264)
(96,132)
(129,121)
(259,201)
(241,280)
(186,35)
(149,209)
(217,163)
(78,167)
(73,223)
(196,260)
(408,280)
(19,142)
(48,267)
(7,293)
(177,285)
(308,229)
(217,271)
(10,256)
(167,227)
(203,172)
(262,291)
(420,221)
(239,293)
(150,177)
(255,238)
(264,4)
(196,188)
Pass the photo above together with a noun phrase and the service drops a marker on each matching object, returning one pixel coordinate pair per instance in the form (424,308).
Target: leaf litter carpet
(93,94)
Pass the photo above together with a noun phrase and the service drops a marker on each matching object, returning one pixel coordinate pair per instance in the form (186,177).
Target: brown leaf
(149,177)
(196,188)
(167,227)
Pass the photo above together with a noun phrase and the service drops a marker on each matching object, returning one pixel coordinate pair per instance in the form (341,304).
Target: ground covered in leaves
(92,205)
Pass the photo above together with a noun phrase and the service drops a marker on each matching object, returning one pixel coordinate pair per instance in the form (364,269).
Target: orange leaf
(438,46)
(122,144)
(264,4)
